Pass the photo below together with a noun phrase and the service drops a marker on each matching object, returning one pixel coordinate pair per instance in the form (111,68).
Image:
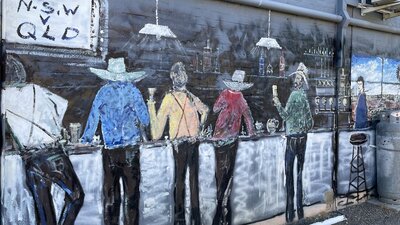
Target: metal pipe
(1,20)
(341,33)
(314,14)
(290,9)
(373,26)
(340,65)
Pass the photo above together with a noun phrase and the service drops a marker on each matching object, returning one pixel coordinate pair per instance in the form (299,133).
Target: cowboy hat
(116,71)
(237,83)
(302,70)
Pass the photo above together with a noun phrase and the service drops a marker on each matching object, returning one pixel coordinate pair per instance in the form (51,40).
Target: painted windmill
(161,40)
(264,45)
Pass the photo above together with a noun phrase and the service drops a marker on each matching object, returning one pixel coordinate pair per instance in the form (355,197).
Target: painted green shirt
(297,113)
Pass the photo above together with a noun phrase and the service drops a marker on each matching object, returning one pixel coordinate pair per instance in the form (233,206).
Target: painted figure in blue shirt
(361,112)
(120,107)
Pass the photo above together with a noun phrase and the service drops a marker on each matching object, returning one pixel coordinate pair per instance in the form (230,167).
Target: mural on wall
(375,84)
(345,158)
(120,108)
(361,110)
(233,164)
(373,89)
(159,39)
(37,135)
(298,119)
(52,23)
(182,109)
(231,107)
(263,47)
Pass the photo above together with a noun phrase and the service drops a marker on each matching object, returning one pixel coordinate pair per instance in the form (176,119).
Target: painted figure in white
(34,117)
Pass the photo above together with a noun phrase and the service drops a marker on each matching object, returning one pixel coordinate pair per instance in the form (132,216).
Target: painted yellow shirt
(182,109)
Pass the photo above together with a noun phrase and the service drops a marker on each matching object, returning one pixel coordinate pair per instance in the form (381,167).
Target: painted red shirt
(232,106)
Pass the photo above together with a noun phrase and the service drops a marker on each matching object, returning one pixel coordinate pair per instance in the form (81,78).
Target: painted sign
(70,24)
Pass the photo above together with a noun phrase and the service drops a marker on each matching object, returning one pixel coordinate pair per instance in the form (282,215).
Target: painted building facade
(327,45)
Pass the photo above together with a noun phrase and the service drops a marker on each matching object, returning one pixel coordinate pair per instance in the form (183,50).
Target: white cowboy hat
(302,70)
(237,83)
(116,71)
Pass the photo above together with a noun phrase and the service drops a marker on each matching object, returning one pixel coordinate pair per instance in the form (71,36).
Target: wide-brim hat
(116,71)
(302,70)
(237,83)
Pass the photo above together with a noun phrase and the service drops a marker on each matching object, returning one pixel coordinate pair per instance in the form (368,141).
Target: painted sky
(370,88)
(368,67)
(389,70)
(374,70)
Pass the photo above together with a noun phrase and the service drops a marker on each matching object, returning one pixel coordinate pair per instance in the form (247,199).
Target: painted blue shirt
(121,109)
(361,112)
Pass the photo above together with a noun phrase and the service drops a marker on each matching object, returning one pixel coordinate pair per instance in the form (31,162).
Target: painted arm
(309,119)
(248,118)
(141,112)
(6,97)
(158,120)
(3,128)
(284,112)
(55,102)
(140,108)
(202,109)
(60,104)
(93,119)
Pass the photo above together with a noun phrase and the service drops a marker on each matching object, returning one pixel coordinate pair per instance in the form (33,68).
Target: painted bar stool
(357,177)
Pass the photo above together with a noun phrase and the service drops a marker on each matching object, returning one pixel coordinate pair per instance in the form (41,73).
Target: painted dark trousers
(295,146)
(49,166)
(186,155)
(225,157)
(121,163)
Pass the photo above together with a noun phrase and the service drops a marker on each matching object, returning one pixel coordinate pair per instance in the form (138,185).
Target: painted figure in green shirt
(297,113)
(299,121)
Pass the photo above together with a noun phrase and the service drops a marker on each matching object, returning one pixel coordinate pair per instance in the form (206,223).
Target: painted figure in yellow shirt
(187,115)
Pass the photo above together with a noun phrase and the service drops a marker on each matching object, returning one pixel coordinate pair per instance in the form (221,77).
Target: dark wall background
(233,29)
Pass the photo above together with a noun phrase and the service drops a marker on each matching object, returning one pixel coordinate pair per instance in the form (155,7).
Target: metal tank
(388,157)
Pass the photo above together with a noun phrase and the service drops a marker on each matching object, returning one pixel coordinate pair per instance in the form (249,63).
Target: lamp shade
(268,43)
(157,30)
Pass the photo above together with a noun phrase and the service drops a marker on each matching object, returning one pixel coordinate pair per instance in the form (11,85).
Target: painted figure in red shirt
(231,106)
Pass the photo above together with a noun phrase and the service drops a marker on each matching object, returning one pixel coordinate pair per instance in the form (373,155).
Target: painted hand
(151,94)
(192,140)
(202,132)
(82,143)
(143,133)
(151,101)
(83,140)
(276,101)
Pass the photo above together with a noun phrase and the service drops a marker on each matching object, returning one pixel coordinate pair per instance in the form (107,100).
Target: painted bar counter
(258,190)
